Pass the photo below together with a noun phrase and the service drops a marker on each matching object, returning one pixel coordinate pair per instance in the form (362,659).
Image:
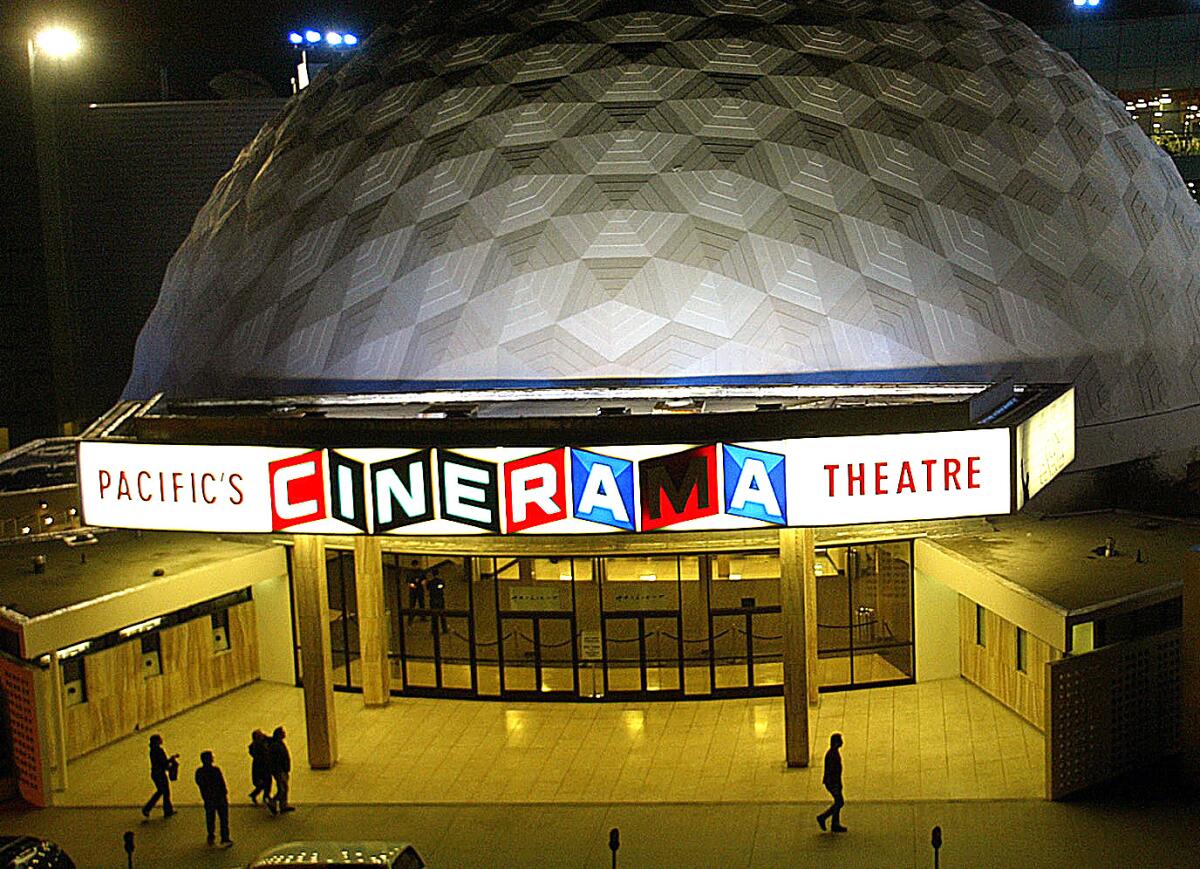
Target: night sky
(128,45)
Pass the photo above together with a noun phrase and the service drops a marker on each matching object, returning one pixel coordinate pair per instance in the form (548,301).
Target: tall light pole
(48,49)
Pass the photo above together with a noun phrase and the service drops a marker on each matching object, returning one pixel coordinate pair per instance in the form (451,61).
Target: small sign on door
(589,646)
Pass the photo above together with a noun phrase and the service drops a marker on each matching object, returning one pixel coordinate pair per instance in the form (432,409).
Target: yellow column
(810,617)
(372,621)
(312,614)
(796,574)
(58,727)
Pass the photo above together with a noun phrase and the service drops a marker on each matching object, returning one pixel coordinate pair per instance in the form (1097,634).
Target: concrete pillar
(795,573)
(810,617)
(1189,665)
(312,615)
(372,621)
(57,725)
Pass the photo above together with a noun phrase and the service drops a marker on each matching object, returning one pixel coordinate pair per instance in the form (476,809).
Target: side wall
(276,645)
(993,666)
(937,629)
(1112,711)
(121,700)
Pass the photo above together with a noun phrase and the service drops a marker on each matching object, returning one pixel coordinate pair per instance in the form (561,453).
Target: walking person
(160,773)
(437,599)
(215,795)
(833,784)
(415,577)
(260,773)
(279,762)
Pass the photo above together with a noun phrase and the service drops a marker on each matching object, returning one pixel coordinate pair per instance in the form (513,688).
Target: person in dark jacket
(437,599)
(160,766)
(414,578)
(833,784)
(260,773)
(211,782)
(279,762)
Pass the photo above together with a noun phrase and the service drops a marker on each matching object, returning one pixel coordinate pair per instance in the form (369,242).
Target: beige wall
(1007,599)
(273,612)
(993,666)
(120,700)
(937,629)
(62,628)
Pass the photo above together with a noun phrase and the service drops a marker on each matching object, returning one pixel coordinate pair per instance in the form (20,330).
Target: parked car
(20,852)
(333,855)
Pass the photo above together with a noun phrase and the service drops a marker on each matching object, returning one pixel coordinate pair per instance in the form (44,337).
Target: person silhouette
(160,774)
(833,783)
(437,599)
(215,795)
(415,579)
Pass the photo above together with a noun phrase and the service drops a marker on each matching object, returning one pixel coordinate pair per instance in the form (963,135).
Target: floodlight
(333,38)
(57,42)
(350,39)
(311,36)
(295,38)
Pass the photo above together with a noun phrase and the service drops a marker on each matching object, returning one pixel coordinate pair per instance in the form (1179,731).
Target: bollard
(937,844)
(129,847)
(614,843)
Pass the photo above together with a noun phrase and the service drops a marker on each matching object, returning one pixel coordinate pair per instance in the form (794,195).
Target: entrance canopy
(580,460)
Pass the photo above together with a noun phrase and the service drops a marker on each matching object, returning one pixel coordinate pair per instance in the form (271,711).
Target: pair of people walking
(271,765)
(418,584)
(164,769)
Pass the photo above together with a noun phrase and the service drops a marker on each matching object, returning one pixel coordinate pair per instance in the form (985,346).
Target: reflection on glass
(864,615)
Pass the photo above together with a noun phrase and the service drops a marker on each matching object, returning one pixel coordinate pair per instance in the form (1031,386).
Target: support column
(312,614)
(810,618)
(58,727)
(795,575)
(372,621)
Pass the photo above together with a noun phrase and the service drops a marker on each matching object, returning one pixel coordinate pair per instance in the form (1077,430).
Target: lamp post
(48,49)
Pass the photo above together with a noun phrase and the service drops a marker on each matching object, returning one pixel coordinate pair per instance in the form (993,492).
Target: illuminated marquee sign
(562,490)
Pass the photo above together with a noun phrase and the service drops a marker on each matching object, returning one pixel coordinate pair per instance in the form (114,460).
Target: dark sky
(130,40)
(128,44)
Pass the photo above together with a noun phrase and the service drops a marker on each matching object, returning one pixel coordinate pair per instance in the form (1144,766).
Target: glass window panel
(662,654)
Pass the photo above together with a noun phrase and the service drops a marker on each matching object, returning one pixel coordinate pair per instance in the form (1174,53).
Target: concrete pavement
(978,834)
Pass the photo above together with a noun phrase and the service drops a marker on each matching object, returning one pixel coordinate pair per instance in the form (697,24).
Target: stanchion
(614,844)
(937,844)
(128,837)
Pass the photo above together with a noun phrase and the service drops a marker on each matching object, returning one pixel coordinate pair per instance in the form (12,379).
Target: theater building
(588,352)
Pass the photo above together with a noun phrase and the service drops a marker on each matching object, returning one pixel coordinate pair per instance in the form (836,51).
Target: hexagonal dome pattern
(696,188)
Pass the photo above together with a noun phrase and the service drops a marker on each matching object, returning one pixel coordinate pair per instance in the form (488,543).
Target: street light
(59,43)
(48,49)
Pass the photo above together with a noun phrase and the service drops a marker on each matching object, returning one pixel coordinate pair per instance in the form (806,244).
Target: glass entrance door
(745,624)
(535,627)
(433,629)
(865,615)
(641,626)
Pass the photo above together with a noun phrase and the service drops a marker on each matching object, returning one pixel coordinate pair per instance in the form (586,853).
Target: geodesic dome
(869,189)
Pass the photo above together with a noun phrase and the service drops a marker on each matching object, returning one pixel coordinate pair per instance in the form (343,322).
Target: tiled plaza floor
(934,740)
